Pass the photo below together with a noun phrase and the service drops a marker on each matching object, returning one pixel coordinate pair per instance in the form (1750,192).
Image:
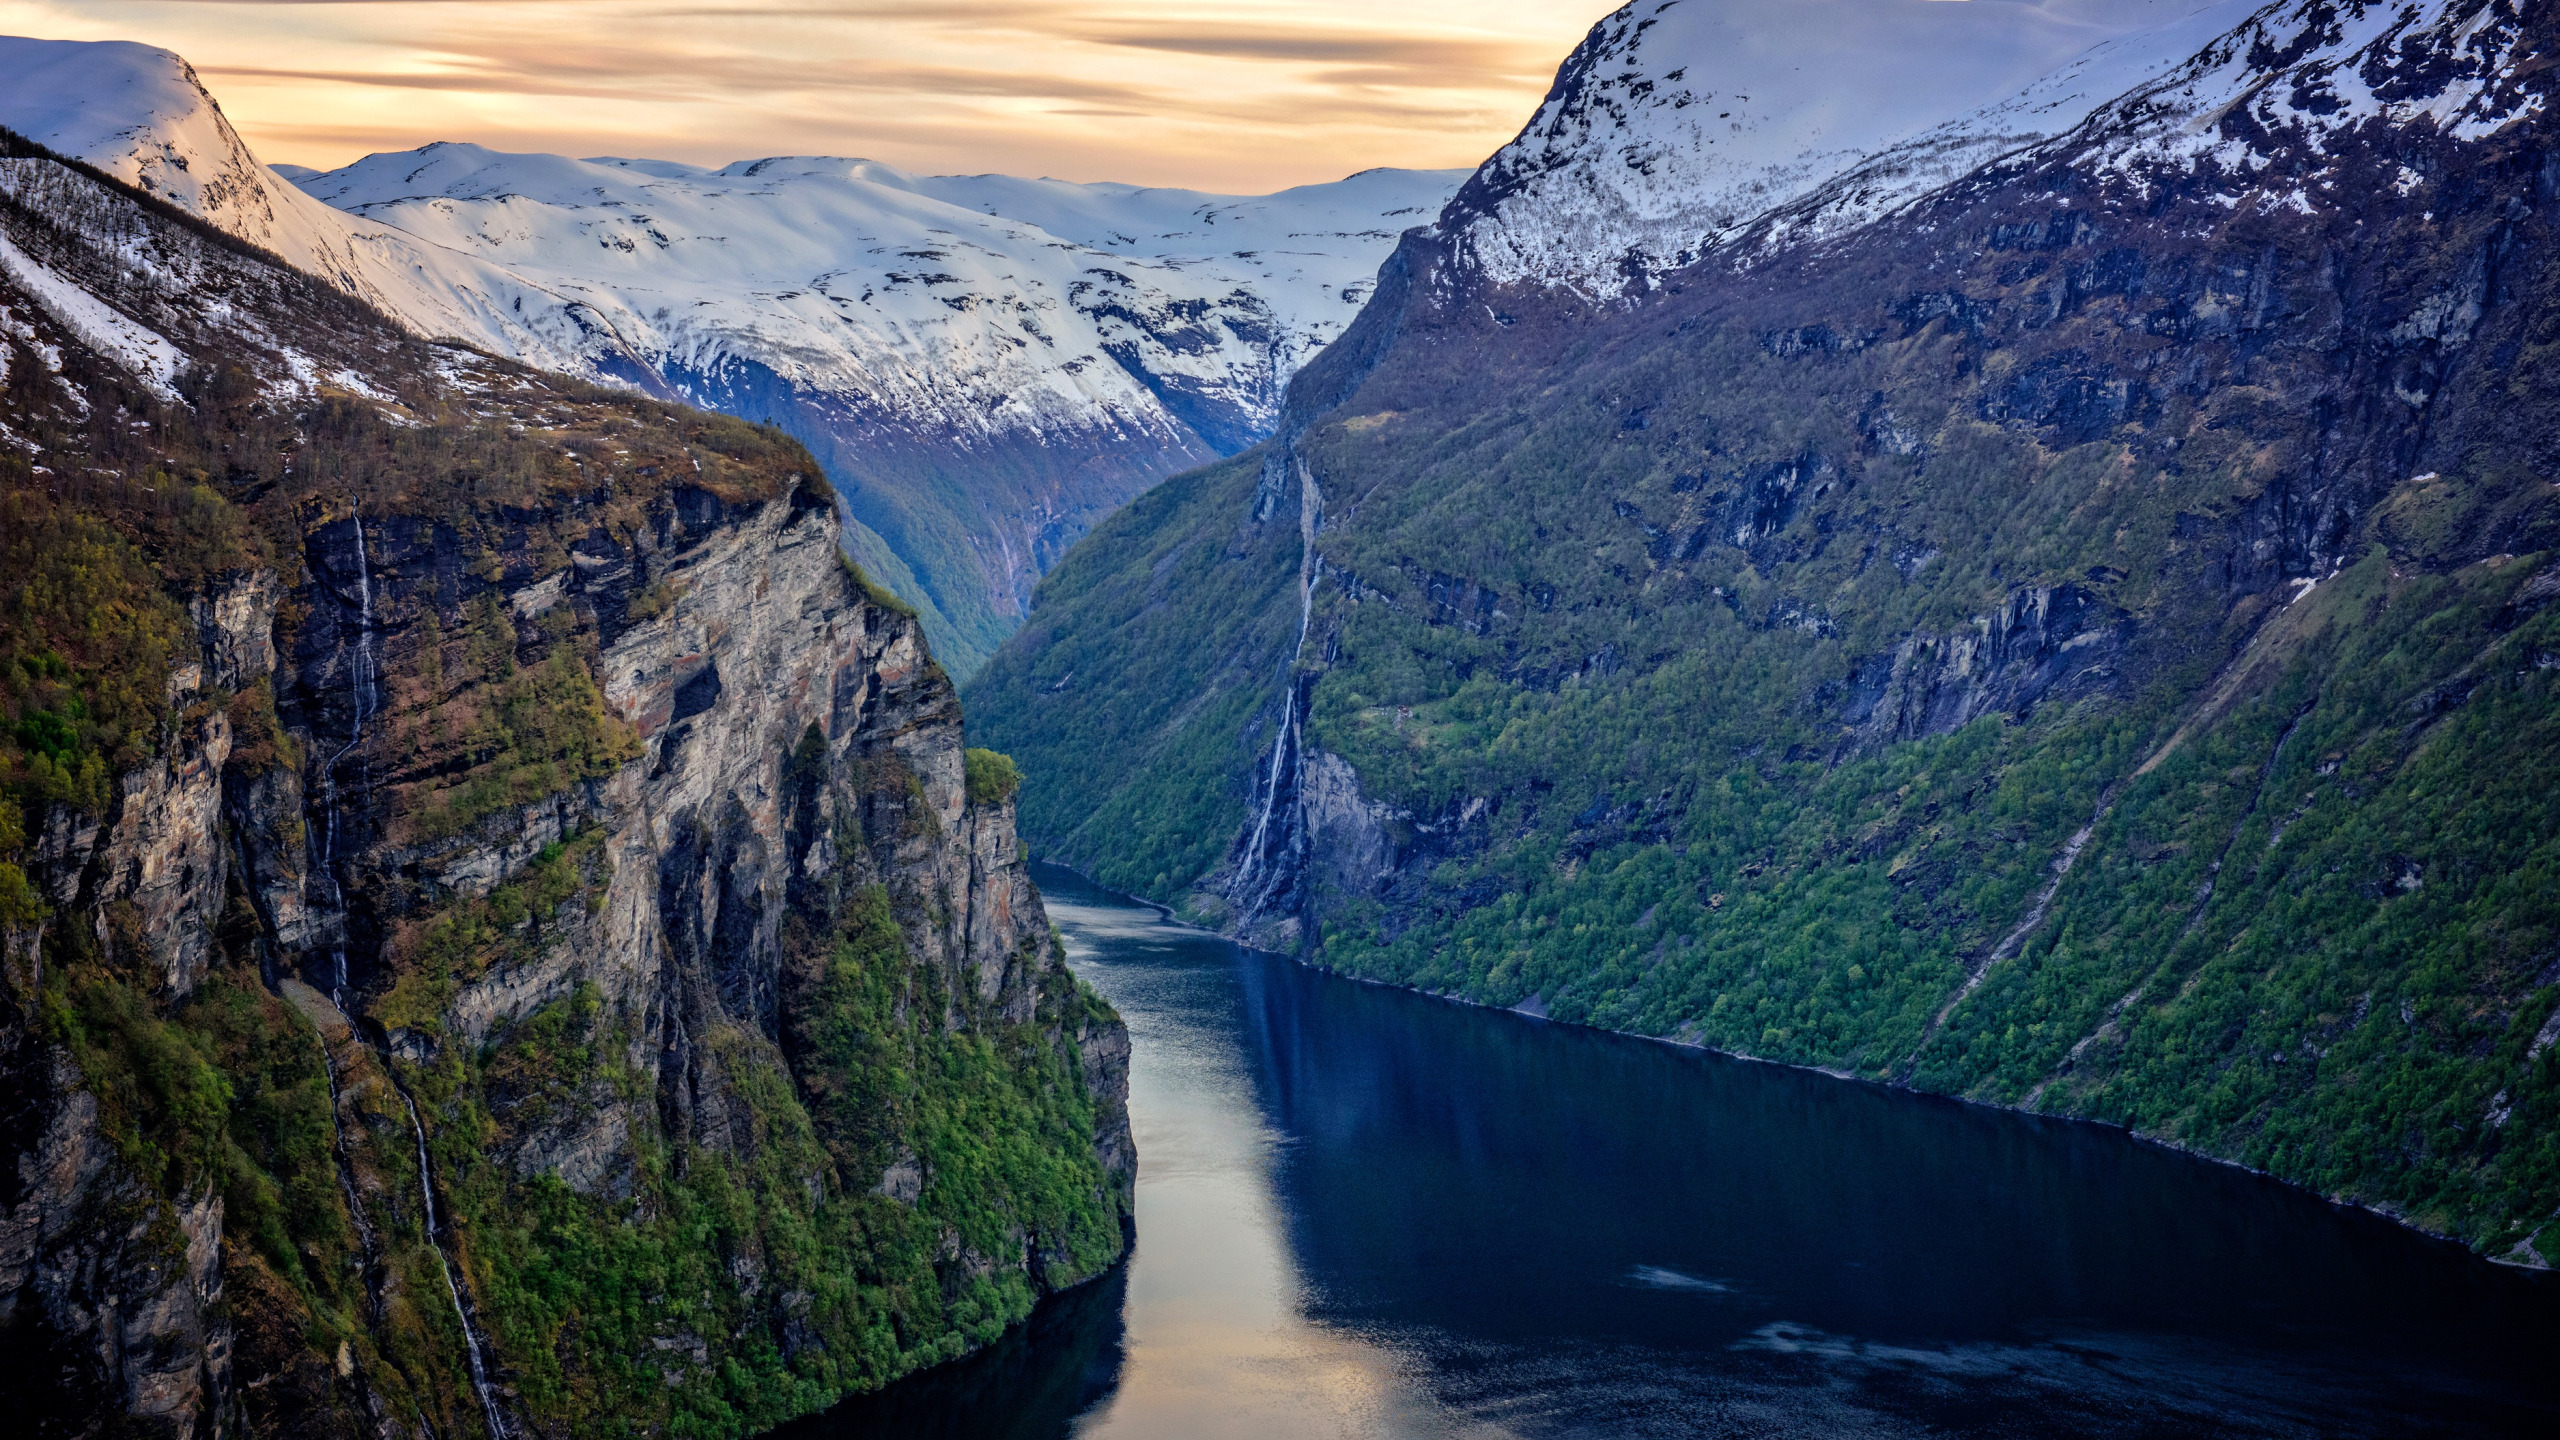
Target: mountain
(985,365)
(499,933)
(2053,606)
(140,115)
(1672,127)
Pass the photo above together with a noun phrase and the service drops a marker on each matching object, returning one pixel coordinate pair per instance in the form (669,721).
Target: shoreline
(1166,915)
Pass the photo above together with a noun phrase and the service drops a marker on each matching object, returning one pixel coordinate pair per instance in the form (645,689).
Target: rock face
(501,939)
(2052,616)
(110,1297)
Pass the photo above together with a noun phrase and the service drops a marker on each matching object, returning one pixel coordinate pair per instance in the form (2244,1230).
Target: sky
(1244,96)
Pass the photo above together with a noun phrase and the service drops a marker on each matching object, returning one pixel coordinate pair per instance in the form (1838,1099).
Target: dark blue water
(1367,1213)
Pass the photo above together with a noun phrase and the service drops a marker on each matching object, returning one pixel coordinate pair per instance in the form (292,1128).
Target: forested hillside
(2084,639)
(498,932)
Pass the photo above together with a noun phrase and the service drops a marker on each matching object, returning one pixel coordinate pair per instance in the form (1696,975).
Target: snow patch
(137,348)
(1676,125)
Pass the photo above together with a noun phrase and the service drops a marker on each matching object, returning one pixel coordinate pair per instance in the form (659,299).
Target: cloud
(1240,94)
(1452,58)
(633,73)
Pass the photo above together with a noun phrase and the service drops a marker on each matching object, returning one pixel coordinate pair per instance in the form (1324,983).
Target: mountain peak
(1676,123)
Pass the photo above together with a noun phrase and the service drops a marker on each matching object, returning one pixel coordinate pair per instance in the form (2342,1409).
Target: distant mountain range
(986,365)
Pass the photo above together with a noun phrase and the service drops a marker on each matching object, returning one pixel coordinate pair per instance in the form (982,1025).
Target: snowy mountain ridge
(141,115)
(1679,127)
(1167,316)
(985,364)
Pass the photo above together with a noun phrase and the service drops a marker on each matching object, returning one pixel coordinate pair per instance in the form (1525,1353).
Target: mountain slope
(985,365)
(140,115)
(980,387)
(498,931)
(1674,125)
(2079,637)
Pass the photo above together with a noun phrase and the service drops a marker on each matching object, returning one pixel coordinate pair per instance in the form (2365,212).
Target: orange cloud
(1242,96)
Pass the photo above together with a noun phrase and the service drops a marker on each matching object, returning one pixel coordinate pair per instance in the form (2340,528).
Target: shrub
(993,778)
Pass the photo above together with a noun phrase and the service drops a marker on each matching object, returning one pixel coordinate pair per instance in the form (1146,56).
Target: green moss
(531,732)
(853,1288)
(873,590)
(433,953)
(86,642)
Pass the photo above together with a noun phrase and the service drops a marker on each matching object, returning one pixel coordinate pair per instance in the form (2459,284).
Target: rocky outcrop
(2056,641)
(565,867)
(101,1280)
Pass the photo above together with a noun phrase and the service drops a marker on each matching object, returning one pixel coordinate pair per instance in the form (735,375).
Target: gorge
(2072,633)
(1860,742)
(1752,1250)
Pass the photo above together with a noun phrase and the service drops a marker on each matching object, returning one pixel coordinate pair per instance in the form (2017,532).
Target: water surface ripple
(1366,1213)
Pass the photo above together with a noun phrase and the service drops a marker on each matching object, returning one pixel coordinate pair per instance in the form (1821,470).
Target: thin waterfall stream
(1285,747)
(346,1163)
(453,1287)
(362,670)
(360,686)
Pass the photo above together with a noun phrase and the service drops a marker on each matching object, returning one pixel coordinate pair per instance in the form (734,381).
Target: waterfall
(453,1287)
(1285,747)
(362,670)
(360,687)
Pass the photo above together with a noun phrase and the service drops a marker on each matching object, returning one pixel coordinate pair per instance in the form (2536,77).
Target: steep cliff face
(499,935)
(2069,638)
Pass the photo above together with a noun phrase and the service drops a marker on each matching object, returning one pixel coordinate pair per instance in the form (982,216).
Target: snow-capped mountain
(1677,123)
(985,364)
(972,305)
(141,115)
(2268,111)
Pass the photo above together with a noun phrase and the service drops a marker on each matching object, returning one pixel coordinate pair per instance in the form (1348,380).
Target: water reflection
(1219,1344)
(1365,1213)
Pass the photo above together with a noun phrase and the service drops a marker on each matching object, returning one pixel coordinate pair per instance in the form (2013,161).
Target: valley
(1861,741)
(2075,641)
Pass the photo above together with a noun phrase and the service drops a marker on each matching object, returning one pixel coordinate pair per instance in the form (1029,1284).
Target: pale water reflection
(1370,1215)
(1218,1342)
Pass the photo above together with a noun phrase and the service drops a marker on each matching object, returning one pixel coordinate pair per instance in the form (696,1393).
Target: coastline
(1167,915)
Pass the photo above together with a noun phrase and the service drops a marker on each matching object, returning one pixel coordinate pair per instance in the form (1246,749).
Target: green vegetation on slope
(1150,698)
(654,1308)
(714,1289)
(1742,667)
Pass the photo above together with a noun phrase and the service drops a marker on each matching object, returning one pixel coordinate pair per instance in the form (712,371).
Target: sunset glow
(1235,97)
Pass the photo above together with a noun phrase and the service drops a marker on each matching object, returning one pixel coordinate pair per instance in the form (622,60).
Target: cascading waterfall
(361,681)
(1285,746)
(453,1287)
(360,687)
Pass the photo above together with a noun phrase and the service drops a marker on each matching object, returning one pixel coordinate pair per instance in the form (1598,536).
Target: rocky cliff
(2072,634)
(501,936)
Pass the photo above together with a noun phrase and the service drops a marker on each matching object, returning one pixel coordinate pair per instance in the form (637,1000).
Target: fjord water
(1363,1212)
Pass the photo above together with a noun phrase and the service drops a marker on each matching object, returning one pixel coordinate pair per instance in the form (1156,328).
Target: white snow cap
(1677,122)
(964,304)
(957,305)
(136,112)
